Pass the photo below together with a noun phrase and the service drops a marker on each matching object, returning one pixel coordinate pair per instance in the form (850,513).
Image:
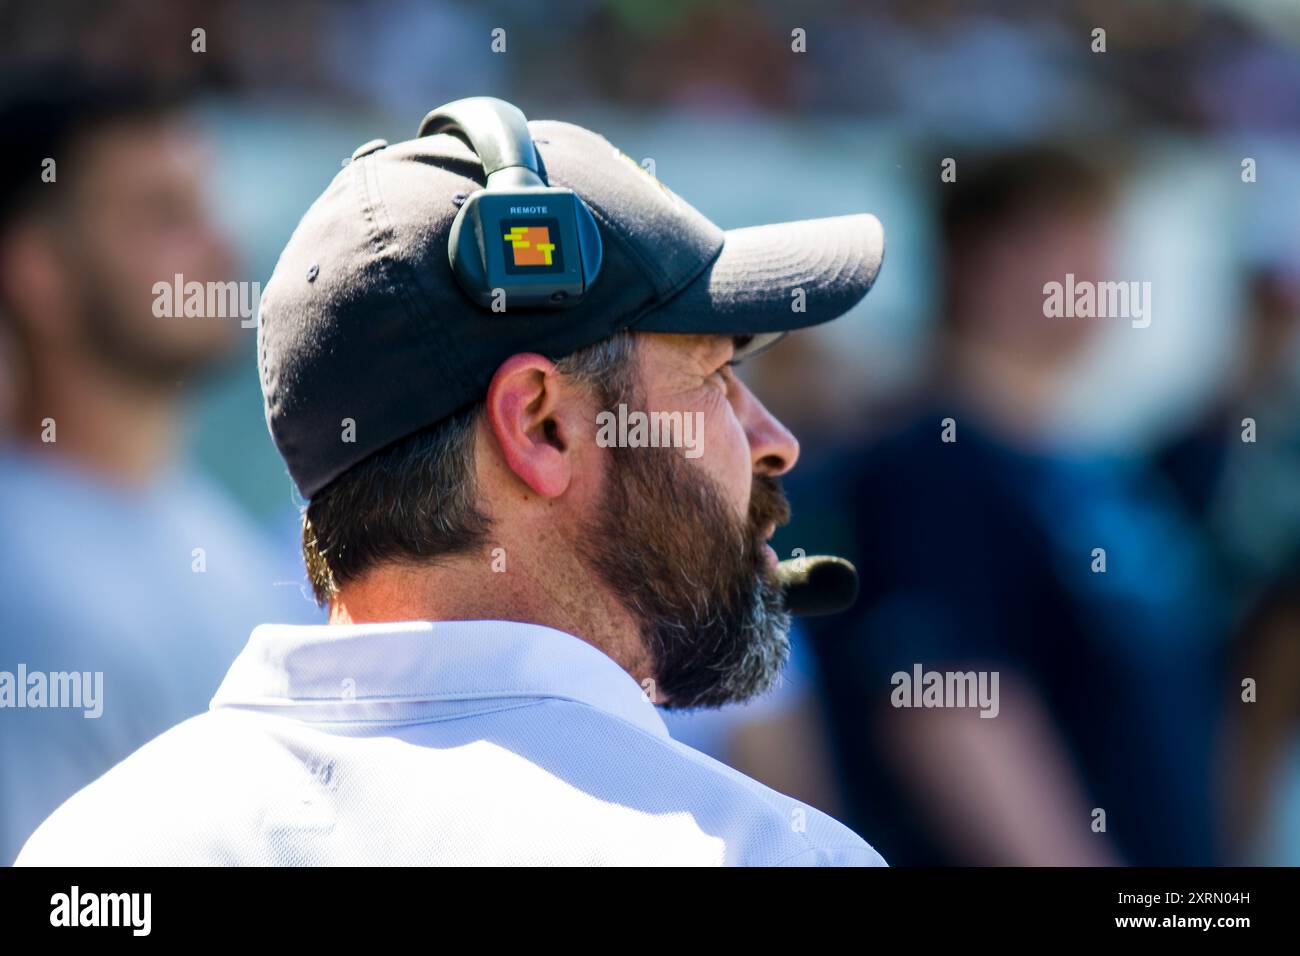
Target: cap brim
(754,285)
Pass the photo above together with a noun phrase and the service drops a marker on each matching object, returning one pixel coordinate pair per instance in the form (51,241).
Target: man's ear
(38,287)
(527,409)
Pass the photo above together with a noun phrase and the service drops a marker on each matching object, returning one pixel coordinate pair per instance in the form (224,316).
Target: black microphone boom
(818,584)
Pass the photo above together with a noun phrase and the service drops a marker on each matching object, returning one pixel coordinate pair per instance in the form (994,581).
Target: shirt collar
(410,670)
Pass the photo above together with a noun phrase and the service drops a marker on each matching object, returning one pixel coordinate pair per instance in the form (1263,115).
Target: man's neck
(1015,396)
(120,431)
(464,589)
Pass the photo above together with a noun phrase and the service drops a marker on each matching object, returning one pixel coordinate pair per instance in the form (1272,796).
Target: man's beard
(129,351)
(697,579)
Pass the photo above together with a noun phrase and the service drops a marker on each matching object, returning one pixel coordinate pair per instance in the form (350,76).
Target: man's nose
(772,446)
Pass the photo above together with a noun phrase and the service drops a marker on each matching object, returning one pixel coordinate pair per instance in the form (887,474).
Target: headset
(538,244)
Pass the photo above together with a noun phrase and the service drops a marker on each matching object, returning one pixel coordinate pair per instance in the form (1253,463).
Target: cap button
(365,149)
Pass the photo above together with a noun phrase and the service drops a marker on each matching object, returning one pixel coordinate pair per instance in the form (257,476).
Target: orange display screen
(532,245)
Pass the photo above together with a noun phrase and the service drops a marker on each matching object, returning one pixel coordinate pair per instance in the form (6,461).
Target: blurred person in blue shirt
(979,554)
(1263,746)
(1238,468)
(115,558)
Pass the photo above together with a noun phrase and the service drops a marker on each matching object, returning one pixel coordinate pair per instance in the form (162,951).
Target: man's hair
(46,111)
(994,191)
(416,500)
(996,188)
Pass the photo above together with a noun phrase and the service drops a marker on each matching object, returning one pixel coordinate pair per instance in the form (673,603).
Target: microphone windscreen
(818,584)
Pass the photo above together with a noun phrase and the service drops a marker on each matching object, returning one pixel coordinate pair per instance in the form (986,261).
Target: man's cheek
(726,457)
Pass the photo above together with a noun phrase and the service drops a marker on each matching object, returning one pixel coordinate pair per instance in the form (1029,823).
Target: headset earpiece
(517,242)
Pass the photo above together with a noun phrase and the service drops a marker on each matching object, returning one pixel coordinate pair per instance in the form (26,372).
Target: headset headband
(497,132)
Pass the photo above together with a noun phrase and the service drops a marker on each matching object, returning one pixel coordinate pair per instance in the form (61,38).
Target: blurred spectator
(1244,492)
(117,558)
(1262,773)
(1241,476)
(978,555)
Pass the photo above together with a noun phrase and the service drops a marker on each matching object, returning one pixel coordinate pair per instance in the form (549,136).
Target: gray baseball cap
(363,318)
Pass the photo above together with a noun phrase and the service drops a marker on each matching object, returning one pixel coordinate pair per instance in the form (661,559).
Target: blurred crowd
(1133,603)
(1186,62)
(1134,584)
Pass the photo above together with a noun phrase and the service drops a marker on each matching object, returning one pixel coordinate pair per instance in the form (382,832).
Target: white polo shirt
(466,742)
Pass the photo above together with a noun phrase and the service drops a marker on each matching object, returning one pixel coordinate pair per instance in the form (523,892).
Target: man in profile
(510,597)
